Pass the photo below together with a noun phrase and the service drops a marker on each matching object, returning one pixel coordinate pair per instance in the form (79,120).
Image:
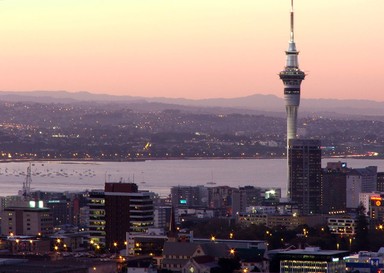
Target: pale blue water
(154,175)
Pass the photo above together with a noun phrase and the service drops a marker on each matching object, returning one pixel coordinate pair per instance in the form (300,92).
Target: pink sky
(191,48)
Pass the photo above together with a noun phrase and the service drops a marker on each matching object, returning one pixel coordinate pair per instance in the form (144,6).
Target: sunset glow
(191,48)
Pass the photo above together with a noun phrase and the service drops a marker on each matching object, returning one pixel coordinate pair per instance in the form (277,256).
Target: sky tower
(291,77)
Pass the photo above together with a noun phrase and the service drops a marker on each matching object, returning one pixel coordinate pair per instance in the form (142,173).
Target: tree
(361,241)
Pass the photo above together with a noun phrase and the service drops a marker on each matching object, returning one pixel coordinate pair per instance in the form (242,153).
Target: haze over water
(154,175)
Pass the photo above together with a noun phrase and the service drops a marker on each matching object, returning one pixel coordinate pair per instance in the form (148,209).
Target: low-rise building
(309,260)
(31,220)
(177,254)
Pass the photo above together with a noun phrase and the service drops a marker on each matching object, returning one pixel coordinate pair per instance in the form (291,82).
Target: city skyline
(190,49)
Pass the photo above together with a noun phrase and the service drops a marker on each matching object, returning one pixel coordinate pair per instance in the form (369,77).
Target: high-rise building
(361,180)
(96,214)
(126,210)
(334,185)
(304,163)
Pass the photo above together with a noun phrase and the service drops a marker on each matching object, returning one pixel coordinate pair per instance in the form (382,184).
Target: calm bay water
(154,175)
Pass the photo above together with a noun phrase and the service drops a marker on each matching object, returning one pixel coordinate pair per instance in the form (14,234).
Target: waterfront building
(304,167)
(126,209)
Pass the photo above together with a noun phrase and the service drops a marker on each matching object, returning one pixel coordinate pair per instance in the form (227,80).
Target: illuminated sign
(183,201)
(377,201)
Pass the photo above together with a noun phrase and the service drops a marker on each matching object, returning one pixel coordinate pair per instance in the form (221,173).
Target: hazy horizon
(191,49)
(181,98)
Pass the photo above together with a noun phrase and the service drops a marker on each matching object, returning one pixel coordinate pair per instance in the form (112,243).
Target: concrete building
(33,220)
(343,225)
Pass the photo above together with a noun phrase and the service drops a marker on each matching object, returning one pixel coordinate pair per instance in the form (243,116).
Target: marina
(153,175)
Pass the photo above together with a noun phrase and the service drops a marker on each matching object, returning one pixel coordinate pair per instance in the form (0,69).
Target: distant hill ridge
(256,102)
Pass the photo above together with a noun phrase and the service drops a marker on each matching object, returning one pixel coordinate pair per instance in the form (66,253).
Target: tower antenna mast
(292,22)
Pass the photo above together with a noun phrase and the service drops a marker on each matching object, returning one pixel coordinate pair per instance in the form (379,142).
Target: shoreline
(173,158)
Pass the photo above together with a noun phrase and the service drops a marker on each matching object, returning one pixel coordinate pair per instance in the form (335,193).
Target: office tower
(334,185)
(304,166)
(362,180)
(126,210)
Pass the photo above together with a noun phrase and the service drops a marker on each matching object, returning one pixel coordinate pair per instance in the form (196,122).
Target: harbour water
(153,175)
